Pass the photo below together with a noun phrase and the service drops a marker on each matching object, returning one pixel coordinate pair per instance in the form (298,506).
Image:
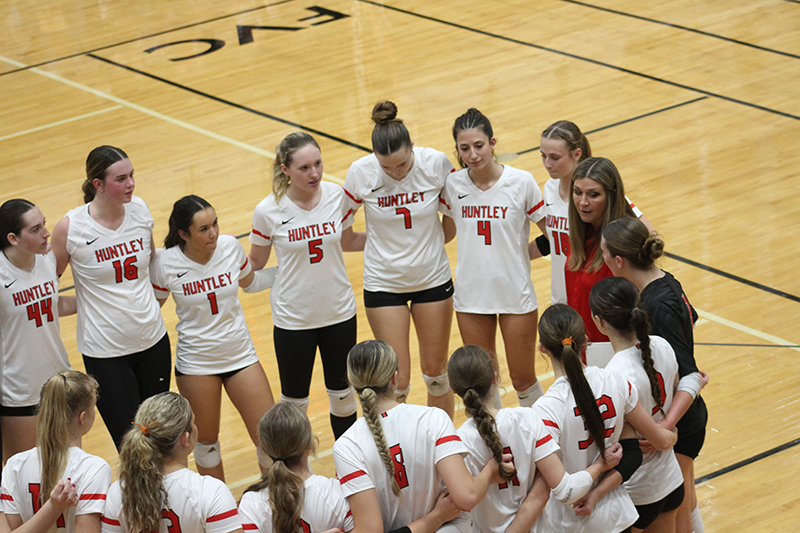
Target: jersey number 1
(35,490)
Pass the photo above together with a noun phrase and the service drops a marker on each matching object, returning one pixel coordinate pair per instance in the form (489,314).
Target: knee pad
(342,402)
(263,459)
(529,396)
(207,455)
(302,403)
(437,386)
(401,395)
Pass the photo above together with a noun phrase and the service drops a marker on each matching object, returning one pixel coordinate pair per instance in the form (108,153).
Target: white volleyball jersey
(196,504)
(660,472)
(117,311)
(22,480)
(418,438)
(493,271)
(405,241)
(525,437)
(30,338)
(212,332)
(557,408)
(557,220)
(311,289)
(324,508)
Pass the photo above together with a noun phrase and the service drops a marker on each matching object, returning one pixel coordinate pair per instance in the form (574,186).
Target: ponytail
(571,134)
(284,153)
(616,300)
(562,333)
(370,368)
(63,398)
(97,163)
(285,435)
(471,374)
(160,422)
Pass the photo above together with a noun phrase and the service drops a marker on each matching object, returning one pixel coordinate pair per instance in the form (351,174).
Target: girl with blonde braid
(156,491)
(515,504)
(392,485)
(289,498)
(66,414)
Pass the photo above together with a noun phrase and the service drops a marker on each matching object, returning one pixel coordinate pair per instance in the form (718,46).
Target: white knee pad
(529,396)
(437,386)
(302,403)
(342,402)
(207,455)
(401,395)
(263,458)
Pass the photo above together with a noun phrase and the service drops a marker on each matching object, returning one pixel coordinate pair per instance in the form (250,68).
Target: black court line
(749,461)
(734,277)
(793,1)
(747,345)
(234,104)
(584,59)
(145,37)
(650,114)
(684,28)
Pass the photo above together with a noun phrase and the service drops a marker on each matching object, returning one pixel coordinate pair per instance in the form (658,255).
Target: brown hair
(571,134)
(472,119)
(12,213)
(606,174)
(562,333)
(97,163)
(284,153)
(389,134)
(630,239)
(471,373)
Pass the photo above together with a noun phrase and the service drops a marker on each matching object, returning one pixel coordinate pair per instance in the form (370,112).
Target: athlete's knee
(302,403)
(438,385)
(400,395)
(207,455)
(342,402)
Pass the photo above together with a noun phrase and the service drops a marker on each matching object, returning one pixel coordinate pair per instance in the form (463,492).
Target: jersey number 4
(399,466)
(37,310)
(515,479)
(485,229)
(607,412)
(35,490)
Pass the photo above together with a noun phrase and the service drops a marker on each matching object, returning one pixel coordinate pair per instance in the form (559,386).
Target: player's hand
(646,447)
(613,454)
(508,464)
(64,495)
(584,506)
(704,379)
(446,508)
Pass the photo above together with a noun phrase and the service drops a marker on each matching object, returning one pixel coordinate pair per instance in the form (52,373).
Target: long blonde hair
(159,423)
(370,368)
(284,153)
(285,436)
(63,398)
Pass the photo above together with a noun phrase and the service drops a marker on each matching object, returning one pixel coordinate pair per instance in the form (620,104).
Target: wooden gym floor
(697,102)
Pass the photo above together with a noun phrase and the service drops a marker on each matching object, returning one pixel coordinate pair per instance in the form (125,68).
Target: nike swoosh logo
(88,243)
(448,289)
(287,221)
(378,188)
(547,205)
(183,274)
(460,196)
(10,284)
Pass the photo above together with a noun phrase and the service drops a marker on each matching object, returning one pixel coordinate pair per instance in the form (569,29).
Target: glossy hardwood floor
(697,103)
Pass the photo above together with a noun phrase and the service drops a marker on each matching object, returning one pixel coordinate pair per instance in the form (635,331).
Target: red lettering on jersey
(119,250)
(399,466)
(607,412)
(35,489)
(515,479)
(174,522)
(404,198)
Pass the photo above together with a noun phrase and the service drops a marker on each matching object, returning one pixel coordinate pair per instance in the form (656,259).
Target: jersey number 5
(607,412)
(399,466)
(315,250)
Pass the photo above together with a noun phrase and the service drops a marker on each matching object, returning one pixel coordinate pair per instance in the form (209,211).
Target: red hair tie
(145,429)
(569,340)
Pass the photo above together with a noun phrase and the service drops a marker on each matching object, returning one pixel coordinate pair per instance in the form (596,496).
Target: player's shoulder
(228,243)
(18,461)
(254,499)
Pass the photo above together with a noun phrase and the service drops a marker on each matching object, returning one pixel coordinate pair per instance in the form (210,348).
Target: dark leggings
(297,349)
(126,381)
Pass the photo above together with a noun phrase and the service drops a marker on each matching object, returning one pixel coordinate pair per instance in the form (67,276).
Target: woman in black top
(629,250)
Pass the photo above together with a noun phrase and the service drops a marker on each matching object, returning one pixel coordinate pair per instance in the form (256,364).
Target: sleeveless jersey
(196,504)
(405,241)
(660,472)
(311,289)
(418,437)
(324,508)
(557,220)
(524,436)
(212,332)
(22,480)
(493,271)
(30,337)
(559,412)
(117,311)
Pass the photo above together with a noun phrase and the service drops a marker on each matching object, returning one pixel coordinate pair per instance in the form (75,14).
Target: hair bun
(653,246)
(384,112)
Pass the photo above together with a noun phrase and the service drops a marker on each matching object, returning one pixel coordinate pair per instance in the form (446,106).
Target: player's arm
(468,491)
(58,242)
(152,248)
(532,506)
(540,246)
(259,255)
(449,228)
(87,523)
(568,487)
(661,438)
(648,224)
(353,241)
(61,498)
(444,511)
(366,512)
(67,305)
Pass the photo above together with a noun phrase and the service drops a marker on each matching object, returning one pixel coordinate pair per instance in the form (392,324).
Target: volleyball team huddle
(603,450)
